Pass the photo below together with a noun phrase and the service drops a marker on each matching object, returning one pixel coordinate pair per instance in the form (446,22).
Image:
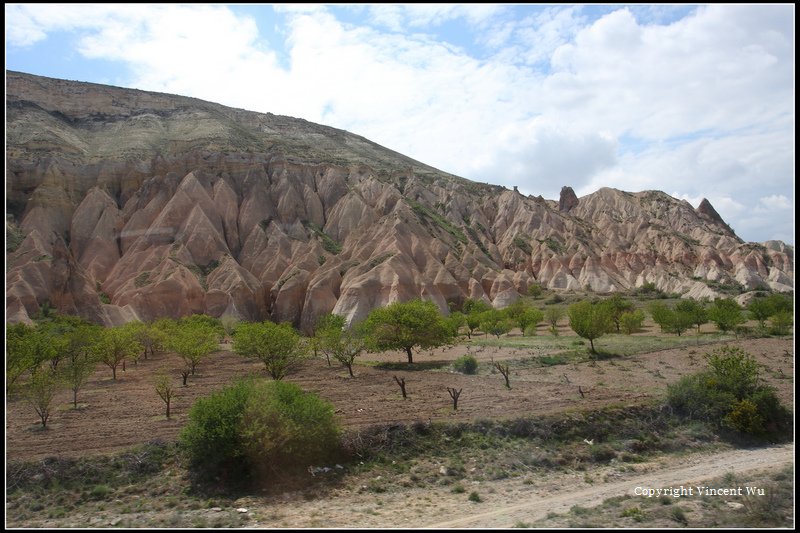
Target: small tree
(40,390)
(454,394)
(528,317)
(535,290)
(496,323)
(781,322)
(631,322)
(553,316)
(402,383)
(278,346)
(325,324)
(503,369)
(23,352)
(726,314)
(761,309)
(590,321)
(662,315)
(454,322)
(694,311)
(473,322)
(618,306)
(164,388)
(80,360)
(344,345)
(193,342)
(113,345)
(404,326)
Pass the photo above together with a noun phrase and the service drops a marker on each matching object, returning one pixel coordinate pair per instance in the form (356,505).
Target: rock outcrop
(125,205)
(567,200)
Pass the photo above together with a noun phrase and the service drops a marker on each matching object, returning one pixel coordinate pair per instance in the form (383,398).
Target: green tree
(474,307)
(325,323)
(726,314)
(632,322)
(404,326)
(113,345)
(25,348)
(535,290)
(553,315)
(590,321)
(278,346)
(455,321)
(205,323)
(618,306)
(524,316)
(678,322)
(781,322)
(80,359)
(781,302)
(662,315)
(149,336)
(761,309)
(473,322)
(694,311)
(344,345)
(193,341)
(495,322)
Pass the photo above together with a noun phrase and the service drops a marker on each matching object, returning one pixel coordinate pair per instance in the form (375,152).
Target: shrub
(781,323)
(258,428)
(466,364)
(728,394)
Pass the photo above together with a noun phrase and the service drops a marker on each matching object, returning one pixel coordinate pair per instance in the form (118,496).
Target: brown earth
(115,415)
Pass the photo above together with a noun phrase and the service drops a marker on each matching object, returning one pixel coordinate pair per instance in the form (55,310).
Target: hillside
(125,204)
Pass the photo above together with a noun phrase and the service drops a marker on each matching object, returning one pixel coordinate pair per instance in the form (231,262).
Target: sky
(696,101)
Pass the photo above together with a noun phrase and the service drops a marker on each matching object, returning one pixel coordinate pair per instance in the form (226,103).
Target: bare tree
(503,369)
(40,390)
(402,383)
(454,394)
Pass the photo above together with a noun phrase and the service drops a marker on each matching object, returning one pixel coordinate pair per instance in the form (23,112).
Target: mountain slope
(130,204)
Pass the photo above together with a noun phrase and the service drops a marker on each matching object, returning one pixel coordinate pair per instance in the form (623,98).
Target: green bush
(728,394)
(466,364)
(258,429)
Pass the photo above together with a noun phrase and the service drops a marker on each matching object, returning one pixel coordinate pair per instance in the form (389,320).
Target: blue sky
(697,101)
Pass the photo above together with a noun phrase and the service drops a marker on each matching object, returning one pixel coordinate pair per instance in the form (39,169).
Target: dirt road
(505,503)
(688,474)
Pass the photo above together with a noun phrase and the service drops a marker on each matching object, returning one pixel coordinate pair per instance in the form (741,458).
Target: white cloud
(708,100)
(769,204)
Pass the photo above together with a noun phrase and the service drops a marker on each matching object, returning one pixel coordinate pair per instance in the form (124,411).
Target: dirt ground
(114,415)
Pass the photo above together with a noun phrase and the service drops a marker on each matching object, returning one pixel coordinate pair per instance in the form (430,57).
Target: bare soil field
(115,415)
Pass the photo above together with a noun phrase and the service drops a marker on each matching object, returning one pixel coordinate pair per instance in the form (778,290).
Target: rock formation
(567,200)
(125,204)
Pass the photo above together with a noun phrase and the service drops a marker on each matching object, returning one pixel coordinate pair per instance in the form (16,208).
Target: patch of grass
(142,279)
(328,244)
(415,366)
(474,497)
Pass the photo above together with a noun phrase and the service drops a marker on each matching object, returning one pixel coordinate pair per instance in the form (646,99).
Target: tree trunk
(408,353)
(114,372)
(167,408)
(350,369)
(591,343)
(75,398)
(402,383)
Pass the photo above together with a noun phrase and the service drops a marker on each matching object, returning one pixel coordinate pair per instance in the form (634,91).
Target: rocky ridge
(126,204)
